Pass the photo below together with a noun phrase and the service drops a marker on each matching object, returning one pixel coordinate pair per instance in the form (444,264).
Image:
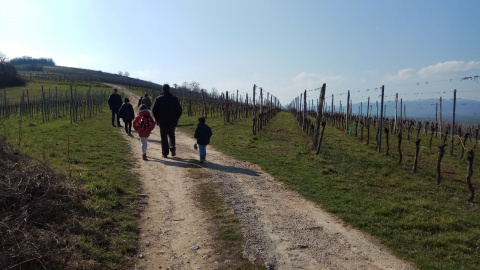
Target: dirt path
(283,230)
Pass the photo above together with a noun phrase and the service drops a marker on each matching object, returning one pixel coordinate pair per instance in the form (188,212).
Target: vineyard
(460,140)
(55,104)
(352,171)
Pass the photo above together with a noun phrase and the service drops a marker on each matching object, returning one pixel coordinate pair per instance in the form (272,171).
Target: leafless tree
(214,92)
(195,86)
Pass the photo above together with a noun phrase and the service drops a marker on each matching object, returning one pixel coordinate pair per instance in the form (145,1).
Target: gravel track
(283,230)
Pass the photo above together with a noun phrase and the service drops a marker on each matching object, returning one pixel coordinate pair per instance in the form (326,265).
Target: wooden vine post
(465,137)
(470,156)
(441,152)
(205,112)
(227,107)
(189,110)
(381,121)
(346,113)
(254,131)
(319,115)
(386,137)
(417,150)
(400,146)
(321,137)
(453,120)
(304,121)
(333,122)
(71,103)
(396,123)
(440,115)
(246,106)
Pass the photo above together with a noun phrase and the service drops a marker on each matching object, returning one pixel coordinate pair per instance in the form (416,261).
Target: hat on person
(115,89)
(127,100)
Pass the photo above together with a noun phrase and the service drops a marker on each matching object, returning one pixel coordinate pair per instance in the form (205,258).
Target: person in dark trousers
(166,111)
(202,134)
(140,102)
(127,114)
(115,102)
(146,100)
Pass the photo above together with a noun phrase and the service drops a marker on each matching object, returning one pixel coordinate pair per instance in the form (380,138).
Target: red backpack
(146,122)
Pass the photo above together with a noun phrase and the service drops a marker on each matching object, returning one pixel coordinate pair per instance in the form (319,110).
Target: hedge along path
(282,229)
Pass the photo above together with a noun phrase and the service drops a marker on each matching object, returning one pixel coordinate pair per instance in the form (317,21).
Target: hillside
(61,74)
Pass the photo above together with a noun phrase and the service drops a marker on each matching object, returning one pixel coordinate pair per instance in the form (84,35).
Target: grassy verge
(226,227)
(95,154)
(432,226)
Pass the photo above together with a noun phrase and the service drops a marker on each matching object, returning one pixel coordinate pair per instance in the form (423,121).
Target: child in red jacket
(144,124)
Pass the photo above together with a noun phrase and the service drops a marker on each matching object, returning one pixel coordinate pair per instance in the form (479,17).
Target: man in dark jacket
(166,111)
(115,102)
(146,100)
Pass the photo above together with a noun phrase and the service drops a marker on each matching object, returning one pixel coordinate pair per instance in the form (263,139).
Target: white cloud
(448,68)
(402,75)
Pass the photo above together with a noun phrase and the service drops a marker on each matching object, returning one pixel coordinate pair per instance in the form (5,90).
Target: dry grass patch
(39,213)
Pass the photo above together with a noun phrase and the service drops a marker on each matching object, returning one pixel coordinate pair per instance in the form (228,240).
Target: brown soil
(282,229)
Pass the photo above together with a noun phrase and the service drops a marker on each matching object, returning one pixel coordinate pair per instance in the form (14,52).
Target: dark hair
(146,95)
(143,107)
(127,100)
(166,88)
(201,119)
(115,89)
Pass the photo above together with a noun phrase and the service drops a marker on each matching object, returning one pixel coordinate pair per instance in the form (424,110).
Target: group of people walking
(166,111)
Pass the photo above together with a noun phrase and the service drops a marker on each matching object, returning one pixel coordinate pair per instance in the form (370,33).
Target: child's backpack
(146,123)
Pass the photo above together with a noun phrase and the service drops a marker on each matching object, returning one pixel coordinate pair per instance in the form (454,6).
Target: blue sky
(284,47)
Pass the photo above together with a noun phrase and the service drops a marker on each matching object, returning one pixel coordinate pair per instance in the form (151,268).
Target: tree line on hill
(8,73)
(30,60)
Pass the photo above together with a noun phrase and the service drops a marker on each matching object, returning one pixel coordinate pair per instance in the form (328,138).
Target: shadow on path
(176,162)
(193,163)
(230,169)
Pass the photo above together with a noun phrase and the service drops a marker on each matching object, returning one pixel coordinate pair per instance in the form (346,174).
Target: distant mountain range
(466,111)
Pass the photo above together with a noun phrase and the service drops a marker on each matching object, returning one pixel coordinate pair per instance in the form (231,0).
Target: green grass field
(432,226)
(96,155)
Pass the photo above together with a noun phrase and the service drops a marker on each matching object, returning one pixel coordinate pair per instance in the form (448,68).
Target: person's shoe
(113,125)
(144,157)
(120,125)
(202,160)
(173,153)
